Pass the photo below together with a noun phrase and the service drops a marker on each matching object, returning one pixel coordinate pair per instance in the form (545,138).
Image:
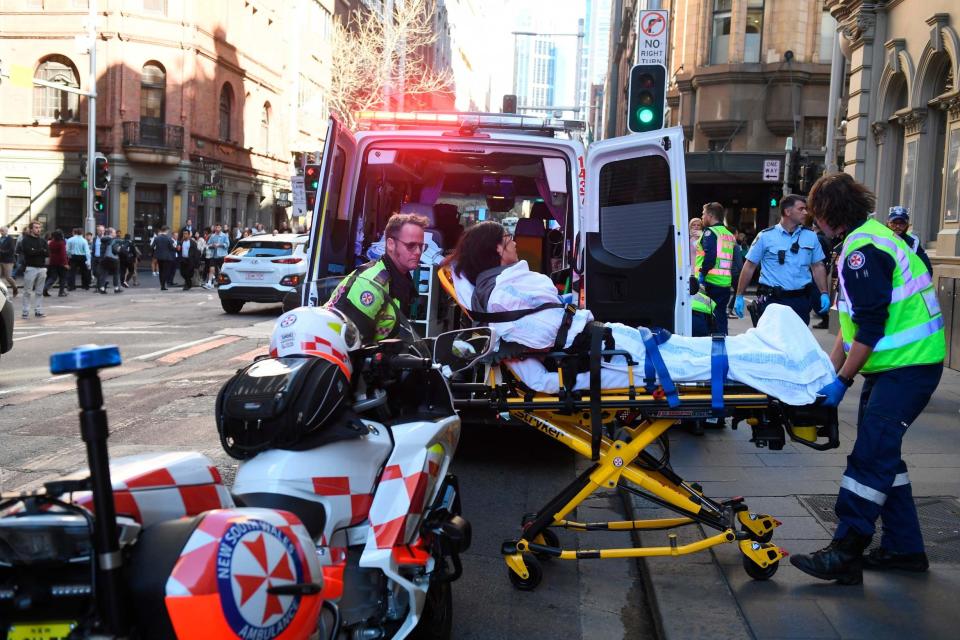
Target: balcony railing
(153,136)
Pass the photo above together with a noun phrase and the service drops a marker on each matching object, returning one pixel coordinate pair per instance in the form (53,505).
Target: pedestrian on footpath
(899,222)
(218,245)
(788,254)
(57,264)
(129,256)
(188,256)
(201,240)
(8,256)
(165,250)
(33,249)
(891,331)
(95,248)
(109,261)
(715,261)
(78,259)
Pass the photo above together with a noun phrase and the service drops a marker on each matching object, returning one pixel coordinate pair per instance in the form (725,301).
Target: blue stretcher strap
(719,366)
(654,365)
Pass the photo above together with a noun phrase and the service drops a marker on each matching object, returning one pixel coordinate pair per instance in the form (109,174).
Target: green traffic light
(773,202)
(315,185)
(645,115)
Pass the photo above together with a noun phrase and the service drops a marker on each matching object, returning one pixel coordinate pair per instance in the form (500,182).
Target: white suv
(262,268)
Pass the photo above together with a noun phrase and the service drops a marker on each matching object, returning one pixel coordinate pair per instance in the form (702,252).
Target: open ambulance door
(331,247)
(635,256)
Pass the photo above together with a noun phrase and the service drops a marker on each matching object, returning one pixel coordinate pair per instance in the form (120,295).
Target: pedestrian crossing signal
(647,97)
(99,202)
(311,184)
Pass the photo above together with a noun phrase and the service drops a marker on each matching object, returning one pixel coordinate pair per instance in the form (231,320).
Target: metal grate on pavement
(939,523)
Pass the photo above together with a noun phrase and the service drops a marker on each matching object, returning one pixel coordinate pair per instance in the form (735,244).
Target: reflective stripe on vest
(702,303)
(914,330)
(721,273)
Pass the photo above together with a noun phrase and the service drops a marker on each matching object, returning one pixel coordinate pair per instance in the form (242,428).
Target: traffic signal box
(99,201)
(101,173)
(647,97)
(311,184)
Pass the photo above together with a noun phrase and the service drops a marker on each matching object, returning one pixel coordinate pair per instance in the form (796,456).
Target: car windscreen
(262,249)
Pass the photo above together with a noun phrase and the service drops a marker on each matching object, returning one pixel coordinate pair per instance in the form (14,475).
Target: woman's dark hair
(477,250)
(840,201)
(57,235)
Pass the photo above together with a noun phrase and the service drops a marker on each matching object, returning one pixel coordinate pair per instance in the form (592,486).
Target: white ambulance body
(609,223)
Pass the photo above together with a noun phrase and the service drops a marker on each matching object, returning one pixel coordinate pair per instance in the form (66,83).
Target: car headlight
(41,539)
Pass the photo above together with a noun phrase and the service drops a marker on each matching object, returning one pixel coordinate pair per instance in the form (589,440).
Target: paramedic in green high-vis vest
(714,263)
(361,294)
(892,333)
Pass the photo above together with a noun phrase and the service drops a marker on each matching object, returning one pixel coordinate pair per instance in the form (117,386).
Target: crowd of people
(106,259)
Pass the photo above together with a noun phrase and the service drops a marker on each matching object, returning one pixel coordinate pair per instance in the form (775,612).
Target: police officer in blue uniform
(788,254)
(899,222)
(892,333)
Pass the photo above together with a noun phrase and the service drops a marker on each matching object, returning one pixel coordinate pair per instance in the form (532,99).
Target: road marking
(249,356)
(36,335)
(177,356)
(154,354)
(33,386)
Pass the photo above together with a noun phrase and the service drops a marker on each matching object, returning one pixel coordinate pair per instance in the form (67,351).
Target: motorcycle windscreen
(631,262)
(331,251)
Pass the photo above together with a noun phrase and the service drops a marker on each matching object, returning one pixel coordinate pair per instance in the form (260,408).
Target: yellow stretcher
(617,431)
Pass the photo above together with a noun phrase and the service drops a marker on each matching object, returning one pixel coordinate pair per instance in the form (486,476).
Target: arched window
(53,104)
(226,110)
(265,127)
(153,88)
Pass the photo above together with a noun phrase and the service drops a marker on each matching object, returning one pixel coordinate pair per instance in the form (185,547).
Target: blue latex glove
(701,279)
(824,303)
(738,306)
(833,393)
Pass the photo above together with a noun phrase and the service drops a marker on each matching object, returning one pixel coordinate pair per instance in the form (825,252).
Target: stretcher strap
(654,366)
(596,421)
(719,366)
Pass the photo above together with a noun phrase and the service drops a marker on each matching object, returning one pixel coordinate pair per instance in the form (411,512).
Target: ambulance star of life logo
(856,260)
(366,298)
(289,320)
(253,557)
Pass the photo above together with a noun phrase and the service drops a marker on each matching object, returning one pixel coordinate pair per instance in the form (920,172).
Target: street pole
(90,224)
(837,66)
(577,85)
(787,166)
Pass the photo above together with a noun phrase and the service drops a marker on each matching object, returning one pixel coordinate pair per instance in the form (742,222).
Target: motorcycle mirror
(461,349)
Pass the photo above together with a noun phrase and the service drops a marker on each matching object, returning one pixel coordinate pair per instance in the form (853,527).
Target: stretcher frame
(630,420)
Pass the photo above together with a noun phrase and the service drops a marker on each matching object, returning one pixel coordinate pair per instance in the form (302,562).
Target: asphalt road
(179,347)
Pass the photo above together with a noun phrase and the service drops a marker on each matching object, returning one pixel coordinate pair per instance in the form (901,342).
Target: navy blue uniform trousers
(875,483)
(720,295)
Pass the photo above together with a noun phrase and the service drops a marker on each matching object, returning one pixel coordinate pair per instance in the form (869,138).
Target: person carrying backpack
(129,254)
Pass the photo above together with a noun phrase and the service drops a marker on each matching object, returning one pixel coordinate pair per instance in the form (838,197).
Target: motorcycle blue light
(85,358)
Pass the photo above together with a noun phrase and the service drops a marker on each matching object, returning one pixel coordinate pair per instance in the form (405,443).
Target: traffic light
(647,97)
(99,201)
(774,199)
(804,183)
(101,174)
(793,177)
(509,103)
(311,184)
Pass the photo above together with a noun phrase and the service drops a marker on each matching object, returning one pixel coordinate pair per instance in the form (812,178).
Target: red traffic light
(311,177)
(645,81)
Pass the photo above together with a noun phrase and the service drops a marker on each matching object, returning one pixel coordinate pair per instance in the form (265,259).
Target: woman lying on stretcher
(780,357)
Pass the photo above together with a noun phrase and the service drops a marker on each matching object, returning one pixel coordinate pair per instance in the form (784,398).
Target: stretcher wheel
(550,538)
(532,581)
(766,537)
(757,572)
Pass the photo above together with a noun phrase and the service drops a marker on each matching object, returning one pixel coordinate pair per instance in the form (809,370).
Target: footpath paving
(709,595)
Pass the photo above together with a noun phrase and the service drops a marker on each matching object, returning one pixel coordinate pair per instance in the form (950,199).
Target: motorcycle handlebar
(409,362)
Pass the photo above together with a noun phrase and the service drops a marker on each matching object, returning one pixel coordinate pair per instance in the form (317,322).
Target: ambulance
(608,222)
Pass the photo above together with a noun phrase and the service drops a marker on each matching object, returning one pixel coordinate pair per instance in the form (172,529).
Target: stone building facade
(902,134)
(199,108)
(744,75)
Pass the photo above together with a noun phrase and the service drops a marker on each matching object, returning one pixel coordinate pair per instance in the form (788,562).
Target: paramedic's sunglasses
(412,246)
(782,254)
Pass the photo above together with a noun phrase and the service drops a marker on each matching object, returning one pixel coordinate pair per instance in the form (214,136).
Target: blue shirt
(794,273)
(221,239)
(77,246)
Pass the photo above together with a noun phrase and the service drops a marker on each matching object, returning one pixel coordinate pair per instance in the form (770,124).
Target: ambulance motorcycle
(349,536)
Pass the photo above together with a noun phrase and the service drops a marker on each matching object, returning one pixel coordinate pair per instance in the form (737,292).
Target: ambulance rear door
(331,247)
(634,247)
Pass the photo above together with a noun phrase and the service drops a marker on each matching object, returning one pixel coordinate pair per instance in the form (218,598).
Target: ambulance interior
(527,192)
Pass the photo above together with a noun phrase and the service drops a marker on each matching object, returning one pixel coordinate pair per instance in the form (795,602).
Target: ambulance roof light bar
(508,121)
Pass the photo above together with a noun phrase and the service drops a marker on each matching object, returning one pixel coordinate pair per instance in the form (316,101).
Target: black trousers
(167,269)
(107,269)
(54,274)
(78,264)
(186,272)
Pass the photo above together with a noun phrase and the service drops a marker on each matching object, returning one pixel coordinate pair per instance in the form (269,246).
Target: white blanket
(780,357)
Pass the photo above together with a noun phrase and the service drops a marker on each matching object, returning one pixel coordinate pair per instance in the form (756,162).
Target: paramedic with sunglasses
(788,255)
(363,302)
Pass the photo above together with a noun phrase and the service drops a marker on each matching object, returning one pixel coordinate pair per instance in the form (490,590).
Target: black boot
(841,560)
(880,559)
